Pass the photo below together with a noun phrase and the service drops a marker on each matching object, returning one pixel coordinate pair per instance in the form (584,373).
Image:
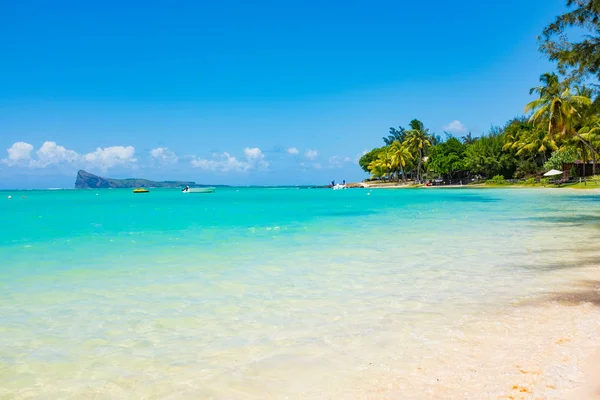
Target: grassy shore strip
(592,183)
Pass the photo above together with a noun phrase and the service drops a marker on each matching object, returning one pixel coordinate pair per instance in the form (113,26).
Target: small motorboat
(188,189)
(339,187)
(141,190)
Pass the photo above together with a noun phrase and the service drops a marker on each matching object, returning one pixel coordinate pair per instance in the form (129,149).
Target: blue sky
(263,92)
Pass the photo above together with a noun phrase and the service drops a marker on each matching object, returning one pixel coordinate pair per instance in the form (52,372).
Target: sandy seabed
(546,348)
(539,344)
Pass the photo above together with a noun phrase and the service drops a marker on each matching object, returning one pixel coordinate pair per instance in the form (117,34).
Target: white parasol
(553,172)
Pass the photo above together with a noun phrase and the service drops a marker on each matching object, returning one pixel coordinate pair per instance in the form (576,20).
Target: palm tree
(395,134)
(535,142)
(417,139)
(591,134)
(378,169)
(584,153)
(582,90)
(514,131)
(512,139)
(557,106)
(468,139)
(401,157)
(384,165)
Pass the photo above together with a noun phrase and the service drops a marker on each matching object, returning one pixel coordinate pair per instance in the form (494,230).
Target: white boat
(188,189)
(339,187)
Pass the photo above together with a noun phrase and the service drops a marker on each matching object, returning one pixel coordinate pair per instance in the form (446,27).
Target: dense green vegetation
(560,127)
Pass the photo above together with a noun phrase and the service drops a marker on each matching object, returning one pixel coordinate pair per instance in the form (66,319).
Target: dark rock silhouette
(85,180)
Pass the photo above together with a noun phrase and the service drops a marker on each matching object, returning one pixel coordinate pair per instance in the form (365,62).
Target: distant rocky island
(85,180)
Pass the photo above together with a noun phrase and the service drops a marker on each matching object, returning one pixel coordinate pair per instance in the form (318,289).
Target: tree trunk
(589,146)
(419,164)
(403,175)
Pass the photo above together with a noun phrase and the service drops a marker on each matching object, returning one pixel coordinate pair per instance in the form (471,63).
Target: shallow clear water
(254,293)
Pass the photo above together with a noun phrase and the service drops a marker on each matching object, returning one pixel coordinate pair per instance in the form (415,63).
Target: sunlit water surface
(265,293)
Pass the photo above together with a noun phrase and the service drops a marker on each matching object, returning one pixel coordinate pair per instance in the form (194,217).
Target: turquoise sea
(263,293)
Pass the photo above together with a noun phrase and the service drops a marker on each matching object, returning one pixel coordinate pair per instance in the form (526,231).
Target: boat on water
(188,189)
(339,187)
(141,190)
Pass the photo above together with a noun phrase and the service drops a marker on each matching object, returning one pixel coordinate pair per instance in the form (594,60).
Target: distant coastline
(85,180)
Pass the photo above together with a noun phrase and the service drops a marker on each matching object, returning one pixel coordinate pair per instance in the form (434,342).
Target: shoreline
(470,186)
(546,347)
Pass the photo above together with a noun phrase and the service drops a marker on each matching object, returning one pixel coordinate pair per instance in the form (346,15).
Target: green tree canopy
(447,158)
(401,156)
(417,140)
(468,138)
(369,157)
(514,130)
(395,135)
(556,106)
(562,111)
(581,57)
(558,158)
(485,156)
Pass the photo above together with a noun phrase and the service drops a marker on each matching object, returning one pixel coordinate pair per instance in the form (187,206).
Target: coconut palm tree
(378,169)
(514,131)
(401,157)
(591,134)
(395,134)
(418,140)
(558,107)
(536,141)
(384,165)
(512,139)
(582,90)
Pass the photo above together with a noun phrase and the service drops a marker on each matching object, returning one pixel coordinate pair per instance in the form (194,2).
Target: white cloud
(455,127)
(311,154)
(225,162)
(338,162)
(307,166)
(293,150)
(253,153)
(164,155)
(222,162)
(18,153)
(255,158)
(51,153)
(110,157)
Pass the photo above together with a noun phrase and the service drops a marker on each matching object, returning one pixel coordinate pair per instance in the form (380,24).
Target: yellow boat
(140,190)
